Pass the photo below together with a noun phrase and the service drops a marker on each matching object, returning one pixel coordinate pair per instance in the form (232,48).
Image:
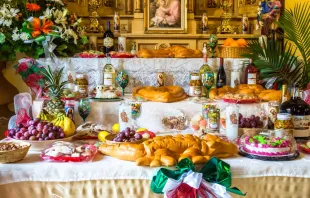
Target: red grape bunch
(37,130)
(127,135)
(250,122)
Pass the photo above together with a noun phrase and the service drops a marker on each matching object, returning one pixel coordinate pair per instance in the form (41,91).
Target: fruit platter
(69,152)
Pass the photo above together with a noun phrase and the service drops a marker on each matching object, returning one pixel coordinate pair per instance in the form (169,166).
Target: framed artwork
(165,16)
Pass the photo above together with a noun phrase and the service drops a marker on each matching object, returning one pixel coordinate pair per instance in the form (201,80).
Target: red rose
(22,67)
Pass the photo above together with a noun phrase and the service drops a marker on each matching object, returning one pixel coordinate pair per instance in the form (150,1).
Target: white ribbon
(194,180)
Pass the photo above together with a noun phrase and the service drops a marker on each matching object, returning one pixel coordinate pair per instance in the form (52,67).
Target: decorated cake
(105,92)
(263,145)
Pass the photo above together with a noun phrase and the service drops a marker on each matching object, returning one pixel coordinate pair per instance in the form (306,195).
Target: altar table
(108,177)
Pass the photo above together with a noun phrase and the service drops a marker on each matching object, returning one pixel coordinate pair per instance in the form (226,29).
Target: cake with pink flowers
(262,145)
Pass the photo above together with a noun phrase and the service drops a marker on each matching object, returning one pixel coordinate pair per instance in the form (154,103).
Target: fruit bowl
(109,140)
(37,145)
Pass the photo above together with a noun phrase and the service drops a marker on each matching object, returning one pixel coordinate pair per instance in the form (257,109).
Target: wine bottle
(251,74)
(205,67)
(109,73)
(221,75)
(108,40)
(300,111)
(284,97)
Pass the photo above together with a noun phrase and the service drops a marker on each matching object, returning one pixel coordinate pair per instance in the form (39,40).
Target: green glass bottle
(205,67)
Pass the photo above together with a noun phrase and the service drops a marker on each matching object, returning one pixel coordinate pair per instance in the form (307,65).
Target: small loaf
(170,52)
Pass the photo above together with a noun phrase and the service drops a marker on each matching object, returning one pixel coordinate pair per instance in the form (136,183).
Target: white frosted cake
(105,92)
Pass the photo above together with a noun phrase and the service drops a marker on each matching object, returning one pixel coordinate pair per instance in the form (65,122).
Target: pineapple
(55,90)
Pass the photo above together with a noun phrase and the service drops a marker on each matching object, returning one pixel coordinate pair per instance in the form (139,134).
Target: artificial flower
(2,38)
(60,17)
(35,28)
(15,36)
(24,36)
(32,7)
(22,67)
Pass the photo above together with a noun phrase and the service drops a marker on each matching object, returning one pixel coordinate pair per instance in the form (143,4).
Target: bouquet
(32,26)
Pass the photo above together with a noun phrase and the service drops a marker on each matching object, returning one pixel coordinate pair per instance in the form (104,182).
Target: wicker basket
(13,155)
(232,52)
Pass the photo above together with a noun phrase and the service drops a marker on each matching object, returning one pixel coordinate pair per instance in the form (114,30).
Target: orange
(228,41)
(242,42)
(234,44)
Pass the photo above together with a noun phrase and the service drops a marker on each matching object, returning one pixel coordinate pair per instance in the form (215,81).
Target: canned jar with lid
(213,120)
(81,83)
(195,85)
(284,123)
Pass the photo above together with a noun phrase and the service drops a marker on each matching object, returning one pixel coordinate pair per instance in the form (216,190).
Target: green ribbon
(214,171)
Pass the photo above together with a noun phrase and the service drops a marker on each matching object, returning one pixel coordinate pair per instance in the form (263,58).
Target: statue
(268,12)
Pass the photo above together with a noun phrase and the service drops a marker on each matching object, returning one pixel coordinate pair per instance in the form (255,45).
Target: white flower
(15,37)
(15,30)
(24,36)
(48,13)
(7,13)
(60,17)
(68,34)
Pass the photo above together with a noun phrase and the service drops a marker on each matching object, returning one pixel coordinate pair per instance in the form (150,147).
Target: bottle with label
(205,67)
(300,111)
(117,23)
(71,73)
(81,85)
(109,73)
(108,40)
(195,85)
(221,75)
(284,97)
(232,120)
(251,74)
(235,74)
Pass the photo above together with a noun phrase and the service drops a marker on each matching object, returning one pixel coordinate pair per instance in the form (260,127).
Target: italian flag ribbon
(213,180)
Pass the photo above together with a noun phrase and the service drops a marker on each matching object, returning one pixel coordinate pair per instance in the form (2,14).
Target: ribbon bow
(212,180)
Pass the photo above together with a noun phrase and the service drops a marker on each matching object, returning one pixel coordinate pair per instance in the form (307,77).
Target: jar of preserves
(195,85)
(81,85)
(213,120)
(284,124)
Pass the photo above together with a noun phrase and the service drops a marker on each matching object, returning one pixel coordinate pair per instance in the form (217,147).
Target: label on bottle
(251,78)
(108,79)
(108,42)
(195,91)
(301,126)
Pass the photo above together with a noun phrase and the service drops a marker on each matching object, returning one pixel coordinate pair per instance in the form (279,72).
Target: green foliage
(275,62)
(296,25)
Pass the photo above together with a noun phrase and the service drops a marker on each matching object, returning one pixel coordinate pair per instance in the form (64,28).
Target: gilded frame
(153,29)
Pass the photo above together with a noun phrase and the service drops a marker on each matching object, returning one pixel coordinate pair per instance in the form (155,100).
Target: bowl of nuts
(13,151)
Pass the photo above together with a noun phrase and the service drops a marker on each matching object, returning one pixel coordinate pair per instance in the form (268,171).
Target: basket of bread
(13,151)
(245,93)
(233,48)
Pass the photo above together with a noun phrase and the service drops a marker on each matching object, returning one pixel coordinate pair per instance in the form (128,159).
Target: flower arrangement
(32,26)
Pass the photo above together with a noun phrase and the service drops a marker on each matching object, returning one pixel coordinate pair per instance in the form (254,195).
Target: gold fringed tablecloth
(256,187)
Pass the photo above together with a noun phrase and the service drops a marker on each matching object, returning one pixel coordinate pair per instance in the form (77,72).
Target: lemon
(116,128)
(141,129)
(102,135)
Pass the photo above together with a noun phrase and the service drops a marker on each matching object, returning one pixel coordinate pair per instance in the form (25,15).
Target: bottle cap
(284,116)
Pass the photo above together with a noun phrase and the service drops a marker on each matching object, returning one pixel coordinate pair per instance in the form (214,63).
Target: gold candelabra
(225,27)
(94,25)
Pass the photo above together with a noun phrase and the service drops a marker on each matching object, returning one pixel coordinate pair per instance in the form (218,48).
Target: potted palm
(287,62)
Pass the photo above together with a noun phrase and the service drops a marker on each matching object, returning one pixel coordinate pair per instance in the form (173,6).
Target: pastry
(168,150)
(262,145)
(170,52)
(271,95)
(160,94)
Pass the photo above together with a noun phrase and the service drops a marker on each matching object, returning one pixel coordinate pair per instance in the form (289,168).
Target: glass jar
(213,120)
(205,110)
(81,85)
(284,124)
(195,85)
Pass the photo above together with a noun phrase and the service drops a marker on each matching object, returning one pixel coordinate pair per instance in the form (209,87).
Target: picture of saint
(165,13)
(245,24)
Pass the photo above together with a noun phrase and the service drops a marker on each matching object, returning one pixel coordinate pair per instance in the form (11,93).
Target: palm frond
(278,61)
(296,25)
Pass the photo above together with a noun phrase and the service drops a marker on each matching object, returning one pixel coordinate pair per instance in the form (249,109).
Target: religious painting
(165,16)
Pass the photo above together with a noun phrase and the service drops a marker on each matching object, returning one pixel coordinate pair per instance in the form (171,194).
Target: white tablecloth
(152,113)
(32,168)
